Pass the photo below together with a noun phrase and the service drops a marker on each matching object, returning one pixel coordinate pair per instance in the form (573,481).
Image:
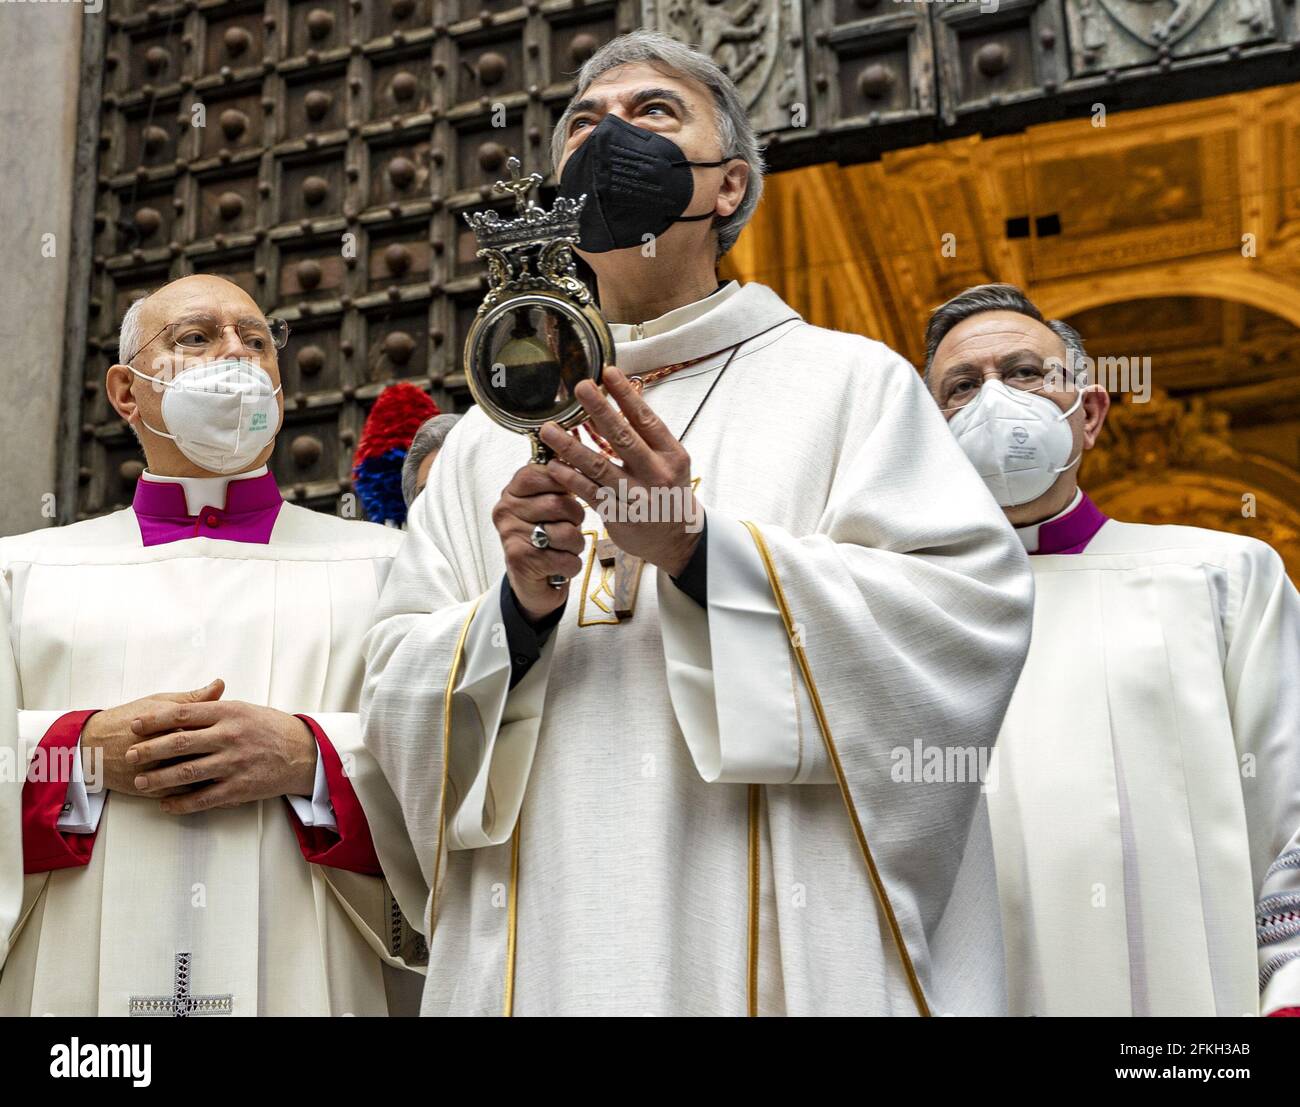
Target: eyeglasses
(1022,379)
(198,336)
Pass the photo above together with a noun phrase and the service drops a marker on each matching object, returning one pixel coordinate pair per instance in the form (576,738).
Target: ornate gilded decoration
(1172,461)
(1156,435)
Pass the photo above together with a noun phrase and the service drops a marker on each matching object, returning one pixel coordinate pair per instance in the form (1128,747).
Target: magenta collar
(1072,532)
(248,515)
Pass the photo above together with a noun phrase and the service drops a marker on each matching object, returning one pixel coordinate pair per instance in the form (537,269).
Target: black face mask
(637,183)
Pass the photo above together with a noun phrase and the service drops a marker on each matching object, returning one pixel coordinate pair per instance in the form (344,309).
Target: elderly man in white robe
(1146,813)
(665,787)
(196,658)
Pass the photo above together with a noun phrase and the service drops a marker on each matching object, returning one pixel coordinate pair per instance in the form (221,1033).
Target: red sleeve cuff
(45,847)
(351,847)
(1285,1013)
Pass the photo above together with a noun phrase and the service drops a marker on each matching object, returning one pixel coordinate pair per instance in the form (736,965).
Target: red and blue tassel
(386,438)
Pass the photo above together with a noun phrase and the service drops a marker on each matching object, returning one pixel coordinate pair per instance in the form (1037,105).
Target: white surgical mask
(1019,442)
(221,414)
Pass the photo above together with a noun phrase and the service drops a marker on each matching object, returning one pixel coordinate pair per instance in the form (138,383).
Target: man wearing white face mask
(201,852)
(224,413)
(1145,797)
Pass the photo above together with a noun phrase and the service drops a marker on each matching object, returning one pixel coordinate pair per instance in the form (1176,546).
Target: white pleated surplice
(1148,781)
(96,619)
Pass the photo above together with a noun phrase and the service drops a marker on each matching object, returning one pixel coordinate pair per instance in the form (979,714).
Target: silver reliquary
(538,332)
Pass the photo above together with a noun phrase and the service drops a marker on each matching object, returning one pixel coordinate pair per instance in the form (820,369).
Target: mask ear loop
(165,384)
(1065,415)
(1074,406)
(700,165)
(146,377)
(160,434)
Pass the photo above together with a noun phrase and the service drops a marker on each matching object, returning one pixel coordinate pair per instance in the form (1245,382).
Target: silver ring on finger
(539,538)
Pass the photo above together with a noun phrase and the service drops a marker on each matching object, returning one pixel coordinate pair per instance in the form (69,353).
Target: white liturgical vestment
(220,905)
(691,811)
(83,808)
(1145,794)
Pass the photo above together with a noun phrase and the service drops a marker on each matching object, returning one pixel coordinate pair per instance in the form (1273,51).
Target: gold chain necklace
(641,382)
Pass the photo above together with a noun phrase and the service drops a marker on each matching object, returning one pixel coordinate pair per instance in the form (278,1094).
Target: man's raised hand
(654,463)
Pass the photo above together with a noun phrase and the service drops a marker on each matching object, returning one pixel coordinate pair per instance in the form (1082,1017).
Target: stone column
(40,69)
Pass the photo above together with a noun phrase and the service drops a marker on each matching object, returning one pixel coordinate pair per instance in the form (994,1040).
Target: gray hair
(999,297)
(431,435)
(735,132)
(131,334)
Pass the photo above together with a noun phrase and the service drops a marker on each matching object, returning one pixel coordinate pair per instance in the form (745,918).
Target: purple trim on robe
(251,509)
(1071,532)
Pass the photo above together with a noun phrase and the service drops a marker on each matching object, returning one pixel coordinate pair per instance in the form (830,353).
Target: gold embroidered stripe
(877,884)
(457,657)
(512,934)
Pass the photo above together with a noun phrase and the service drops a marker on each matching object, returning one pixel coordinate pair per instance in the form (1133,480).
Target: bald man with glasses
(197,812)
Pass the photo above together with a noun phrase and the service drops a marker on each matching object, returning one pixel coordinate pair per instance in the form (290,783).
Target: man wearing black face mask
(681,778)
(637,182)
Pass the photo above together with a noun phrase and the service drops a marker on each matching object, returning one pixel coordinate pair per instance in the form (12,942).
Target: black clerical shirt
(525,640)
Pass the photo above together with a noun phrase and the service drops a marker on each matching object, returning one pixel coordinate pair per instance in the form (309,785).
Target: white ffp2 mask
(221,414)
(1019,442)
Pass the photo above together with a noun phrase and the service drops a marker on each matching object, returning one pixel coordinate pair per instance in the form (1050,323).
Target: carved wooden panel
(995,55)
(319,153)
(759,44)
(1113,34)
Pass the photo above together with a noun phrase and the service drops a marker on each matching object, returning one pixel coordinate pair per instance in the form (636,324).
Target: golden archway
(1171,461)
